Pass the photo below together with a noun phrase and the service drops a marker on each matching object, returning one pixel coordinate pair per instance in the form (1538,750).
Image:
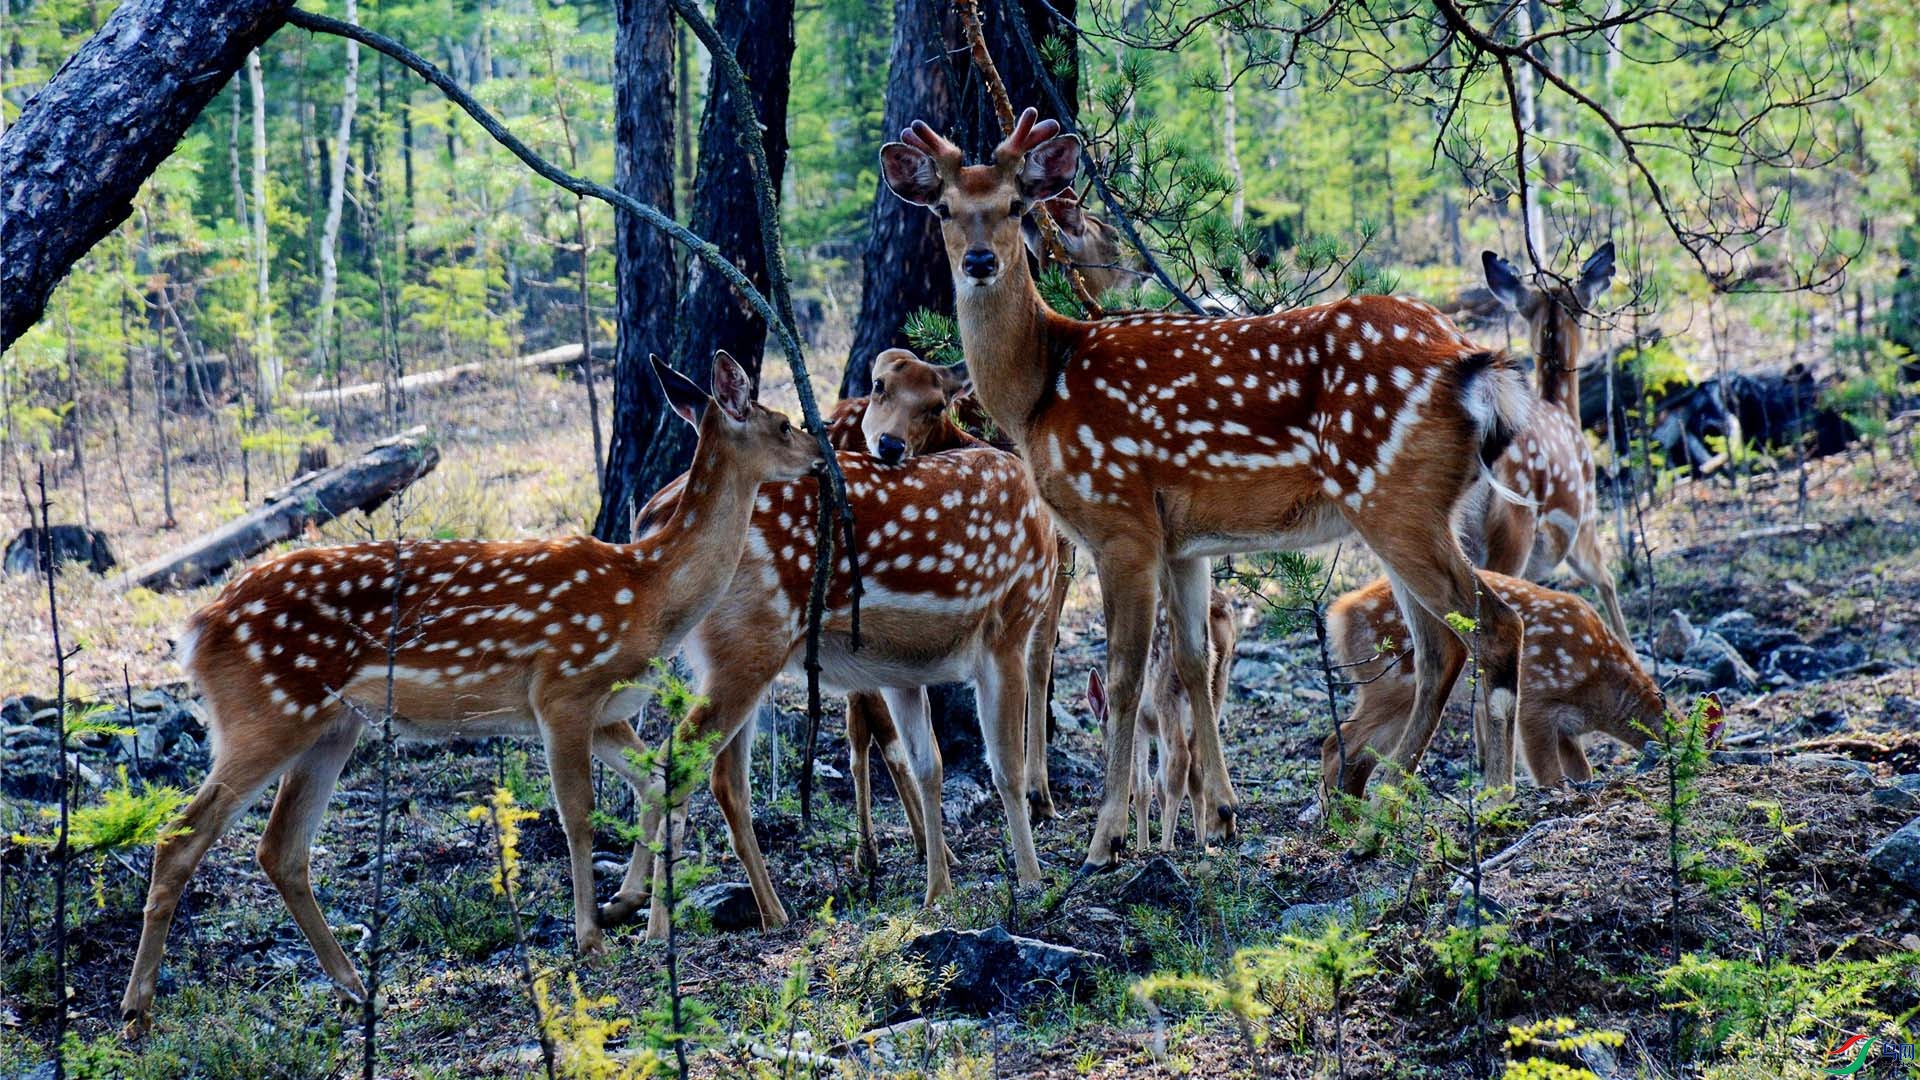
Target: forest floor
(1583,886)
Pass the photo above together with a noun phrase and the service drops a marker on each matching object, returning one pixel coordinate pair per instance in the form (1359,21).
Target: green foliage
(581,1034)
(1474,956)
(457,917)
(1726,996)
(1559,1036)
(935,337)
(126,818)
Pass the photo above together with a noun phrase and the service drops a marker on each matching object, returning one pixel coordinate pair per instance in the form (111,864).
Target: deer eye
(786,427)
(941,211)
(880,388)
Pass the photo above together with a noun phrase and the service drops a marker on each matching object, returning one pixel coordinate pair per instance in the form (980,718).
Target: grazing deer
(1164,724)
(1161,440)
(910,413)
(1549,461)
(958,565)
(464,639)
(1093,245)
(1576,678)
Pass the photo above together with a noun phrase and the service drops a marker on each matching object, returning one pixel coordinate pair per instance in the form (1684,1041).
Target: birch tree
(336,193)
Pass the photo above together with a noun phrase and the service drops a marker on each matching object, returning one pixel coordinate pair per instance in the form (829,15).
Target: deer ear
(1596,274)
(1067,213)
(1049,168)
(1504,281)
(683,396)
(732,390)
(1097,696)
(911,174)
(953,381)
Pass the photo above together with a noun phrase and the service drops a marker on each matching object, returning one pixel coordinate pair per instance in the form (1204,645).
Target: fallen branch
(1768,532)
(364,483)
(554,359)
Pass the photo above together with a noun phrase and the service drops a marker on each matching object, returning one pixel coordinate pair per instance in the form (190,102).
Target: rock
(33,772)
(1675,636)
(1309,918)
(1805,663)
(996,972)
(1897,796)
(1159,884)
(1722,663)
(1898,856)
(1744,632)
(1249,673)
(727,905)
(961,798)
(71,544)
(1827,761)
(1599,1060)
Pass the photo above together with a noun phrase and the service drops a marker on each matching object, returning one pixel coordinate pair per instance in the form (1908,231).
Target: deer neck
(1004,331)
(698,547)
(1557,358)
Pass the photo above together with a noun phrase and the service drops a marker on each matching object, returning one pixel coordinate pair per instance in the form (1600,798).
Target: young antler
(1028,132)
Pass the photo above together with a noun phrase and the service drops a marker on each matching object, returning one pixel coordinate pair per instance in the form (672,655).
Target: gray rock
(1310,918)
(728,905)
(961,798)
(1827,761)
(1254,672)
(1804,663)
(1744,632)
(1675,636)
(1722,663)
(1898,856)
(1159,884)
(995,971)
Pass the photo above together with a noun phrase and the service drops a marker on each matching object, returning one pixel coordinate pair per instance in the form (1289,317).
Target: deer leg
(1540,743)
(1573,759)
(1189,613)
(1039,677)
(1380,711)
(569,747)
(914,742)
(1143,790)
(1177,765)
(859,741)
(733,790)
(1129,587)
(1509,535)
(1589,560)
(1000,685)
(617,747)
(893,751)
(286,846)
(235,781)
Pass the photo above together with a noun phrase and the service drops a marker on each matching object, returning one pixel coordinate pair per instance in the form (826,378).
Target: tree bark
(931,78)
(72,163)
(644,258)
(712,313)
(336,196)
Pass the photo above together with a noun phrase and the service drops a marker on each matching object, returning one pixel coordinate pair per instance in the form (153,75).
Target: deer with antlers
(1576,679)
(1161,440)
(958,562)
(1549,462)
(461,639)
(1164,724)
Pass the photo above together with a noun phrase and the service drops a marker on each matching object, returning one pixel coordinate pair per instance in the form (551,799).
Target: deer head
(909,398)
(1552,314)
(980,206)
(1092,244)
(756,440)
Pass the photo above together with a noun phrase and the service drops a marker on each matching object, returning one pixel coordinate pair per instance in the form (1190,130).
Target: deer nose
(980,263)
(892,448)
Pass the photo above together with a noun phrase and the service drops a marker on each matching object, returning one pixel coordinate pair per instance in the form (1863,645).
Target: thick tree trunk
(72,163)
(644,257)
(931,78)
(336,197)
(712,314)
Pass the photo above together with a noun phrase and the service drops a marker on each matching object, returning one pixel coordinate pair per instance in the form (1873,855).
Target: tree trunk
(267,363)
(643,257)
(72,163)
(336,195)
(931,78)
(712,315)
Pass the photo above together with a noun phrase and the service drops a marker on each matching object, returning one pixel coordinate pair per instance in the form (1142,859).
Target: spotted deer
(1094,246)
(1549,462)
(1164,724)
(1159,441)
(958,565)
(464,639)
(909,413)
(1576,679)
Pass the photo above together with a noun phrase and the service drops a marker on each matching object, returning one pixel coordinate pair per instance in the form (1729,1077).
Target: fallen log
(363,483)
(560,356)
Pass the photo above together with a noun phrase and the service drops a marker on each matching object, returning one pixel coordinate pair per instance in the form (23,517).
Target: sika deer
(1165,723)
(958,564)
(1094,245)
(485,638)
(1549,461)
(1160,441)
(1576,678)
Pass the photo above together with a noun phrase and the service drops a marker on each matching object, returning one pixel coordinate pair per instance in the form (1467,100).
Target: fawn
(463,639)
(1576,678)
(1165,722)
(1159,441)
(1549,461)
